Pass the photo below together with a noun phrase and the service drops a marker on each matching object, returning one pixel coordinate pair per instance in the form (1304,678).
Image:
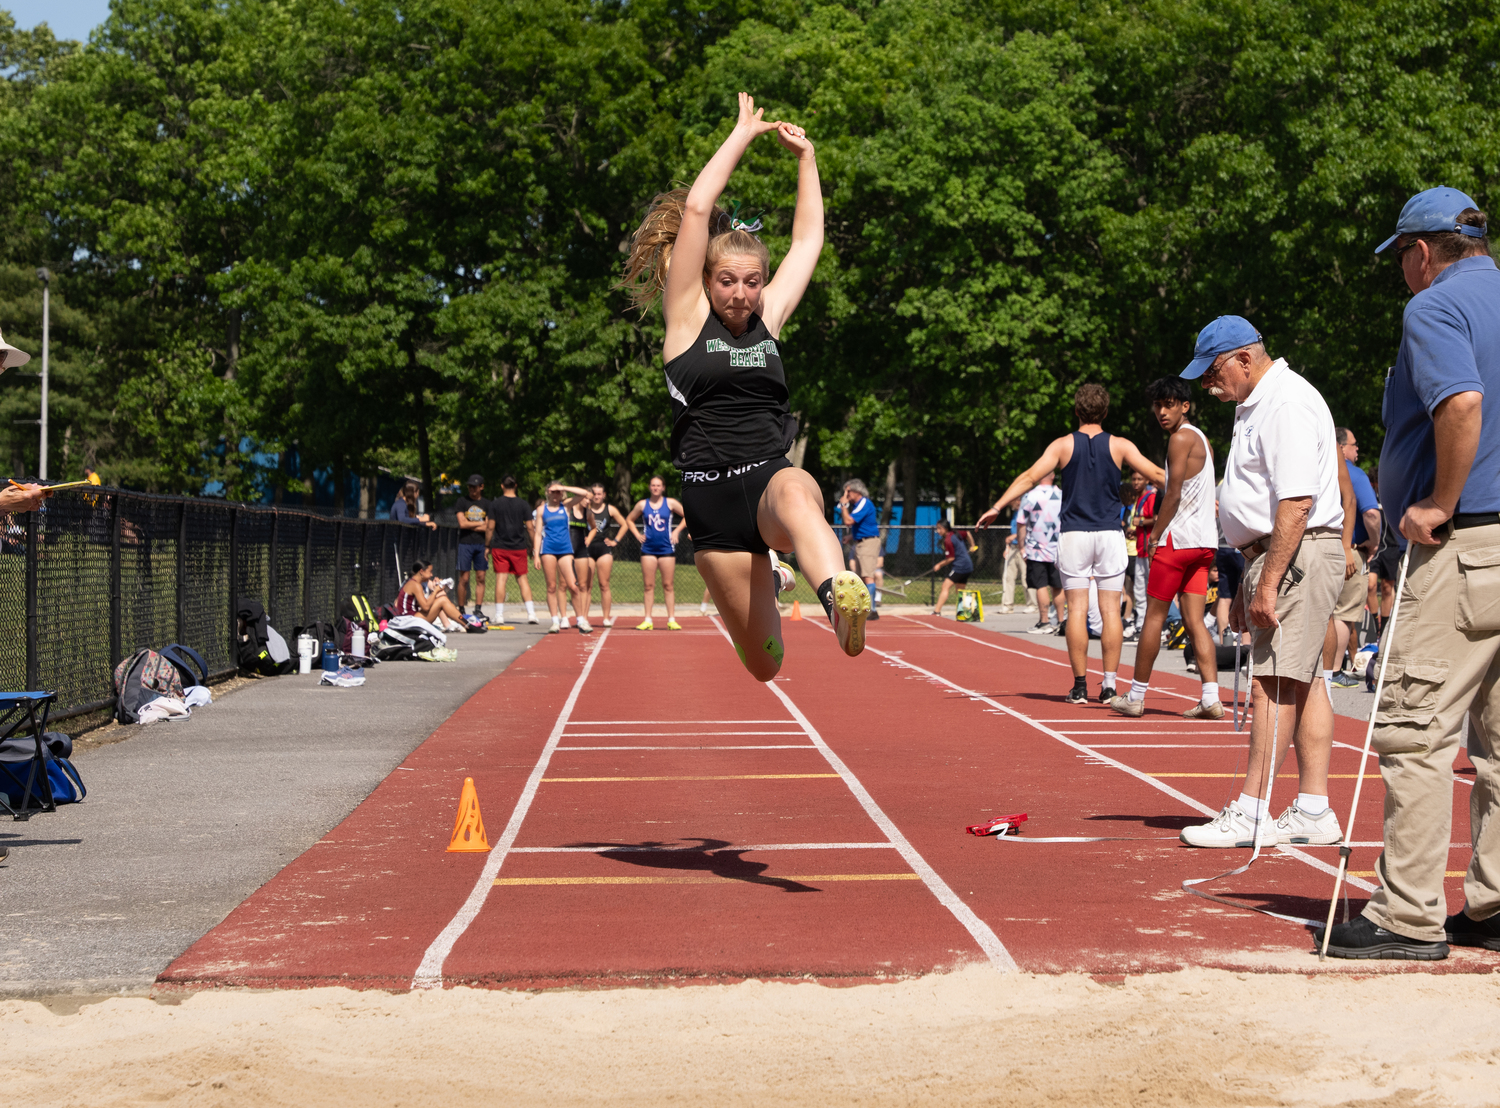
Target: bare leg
(942,597)
(463,588)
(479,587)
(570,582)
(648,588)
(583,569)
(524,581)
(745,594)
(1203,643)
(605,565)
(1112,634)
(790,518)
(441,606)
(549,570)
(1078,630)
(667,563)
(502,586)
(1043,601)
(1287,699)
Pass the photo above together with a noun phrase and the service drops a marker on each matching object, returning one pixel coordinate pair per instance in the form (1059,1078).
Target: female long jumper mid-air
(731,417)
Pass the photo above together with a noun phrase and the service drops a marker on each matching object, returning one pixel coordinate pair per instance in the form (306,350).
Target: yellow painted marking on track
(1291,776)
(1371,873)
(705,879)
(696,777)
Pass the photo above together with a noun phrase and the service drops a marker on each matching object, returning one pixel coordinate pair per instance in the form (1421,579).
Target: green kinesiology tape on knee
(773,648)
(740,650)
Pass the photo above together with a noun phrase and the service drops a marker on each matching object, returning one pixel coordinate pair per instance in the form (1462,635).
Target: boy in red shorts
(1183,542)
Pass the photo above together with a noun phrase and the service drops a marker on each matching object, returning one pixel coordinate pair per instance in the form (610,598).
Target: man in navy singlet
(1092,546)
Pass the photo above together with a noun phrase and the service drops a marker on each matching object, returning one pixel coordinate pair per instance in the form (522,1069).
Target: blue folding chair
(26,779)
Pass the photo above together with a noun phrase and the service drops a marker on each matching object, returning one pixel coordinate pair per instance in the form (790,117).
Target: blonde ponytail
(650,252)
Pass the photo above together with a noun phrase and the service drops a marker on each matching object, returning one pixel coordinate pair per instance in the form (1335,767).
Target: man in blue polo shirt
(1440,486)
(864,532)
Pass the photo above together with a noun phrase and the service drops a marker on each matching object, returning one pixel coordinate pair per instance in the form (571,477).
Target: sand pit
(1199,1037)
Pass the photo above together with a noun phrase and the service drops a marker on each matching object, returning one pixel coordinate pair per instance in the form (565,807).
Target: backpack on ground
(190,666)
(1177,636)
(970,606)
(15,754)
(256,651)
(140,679)
(319,631)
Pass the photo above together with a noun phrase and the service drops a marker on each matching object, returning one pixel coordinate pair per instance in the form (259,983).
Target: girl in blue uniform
(553,547)
(731,411)
(658,548)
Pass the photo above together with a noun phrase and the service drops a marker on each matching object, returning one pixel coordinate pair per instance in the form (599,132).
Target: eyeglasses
(1400,250)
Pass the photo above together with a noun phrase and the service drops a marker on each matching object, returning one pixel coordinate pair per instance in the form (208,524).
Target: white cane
(1359,781)
(1237,682)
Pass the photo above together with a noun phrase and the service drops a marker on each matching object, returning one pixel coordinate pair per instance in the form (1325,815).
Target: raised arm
(683,296)
(1141,464)
(784,293)
(1050,460)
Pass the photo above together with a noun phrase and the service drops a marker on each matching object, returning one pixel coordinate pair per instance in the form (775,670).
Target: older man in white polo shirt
(1280,504)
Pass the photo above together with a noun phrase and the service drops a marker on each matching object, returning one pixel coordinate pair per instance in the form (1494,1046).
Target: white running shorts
(1084,556)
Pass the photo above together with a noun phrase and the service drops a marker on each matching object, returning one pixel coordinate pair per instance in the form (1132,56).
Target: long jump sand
(1199,1037)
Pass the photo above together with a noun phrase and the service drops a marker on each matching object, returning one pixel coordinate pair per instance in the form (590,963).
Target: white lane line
(988,941)
(1168,746)
(1038,658)
(788,746)
(429,974)
(668,734)
(1189,727)
(1104,758)
(664,722)
(1138,731)
(697,849)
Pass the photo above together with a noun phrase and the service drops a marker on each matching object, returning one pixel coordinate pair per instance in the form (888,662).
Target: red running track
(657,816)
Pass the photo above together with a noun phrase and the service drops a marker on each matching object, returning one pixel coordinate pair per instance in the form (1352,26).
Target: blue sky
(67,18)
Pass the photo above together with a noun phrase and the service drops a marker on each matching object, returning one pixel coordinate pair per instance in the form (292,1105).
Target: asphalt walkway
(183,821)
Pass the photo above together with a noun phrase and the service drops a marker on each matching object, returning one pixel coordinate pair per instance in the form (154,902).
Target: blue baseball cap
(1434,210)
(1228,332)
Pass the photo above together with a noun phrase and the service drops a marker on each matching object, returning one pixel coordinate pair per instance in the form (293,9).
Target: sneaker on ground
(644,625)
(1205,711)
(1006,609)
(1127,707)
(1361,938)
(1131,636)
(555,628)
(532,619)
(1231,827)
(1297,828)
(851,607)
(584,626)
(1040,629)
(565,623)
(874,612)
(609,622)
(1029,609)
(1077,695)
(1463,931)
(1344,680)
(1107,693)
(1059,628)
(673,625)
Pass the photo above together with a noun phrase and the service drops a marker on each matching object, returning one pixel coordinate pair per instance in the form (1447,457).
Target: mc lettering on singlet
(749,356)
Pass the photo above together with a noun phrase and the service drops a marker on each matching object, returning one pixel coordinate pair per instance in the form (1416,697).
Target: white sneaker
(532,619)
(1297,827)
(784,578)
(565,623)
(583,626)
(1231,827)
(555,628)
(1029,609)
(610,622)
(1006,609)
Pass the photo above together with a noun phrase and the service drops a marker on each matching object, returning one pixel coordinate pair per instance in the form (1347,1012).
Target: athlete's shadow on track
(1172,823)
(708,857)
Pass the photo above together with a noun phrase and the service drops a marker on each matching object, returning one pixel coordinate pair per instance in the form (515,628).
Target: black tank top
(729,398)
(580,522)
(604,522)
(1091,486)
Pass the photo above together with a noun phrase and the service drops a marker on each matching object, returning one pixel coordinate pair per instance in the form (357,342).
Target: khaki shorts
(1296,649)
(866,552)
(1351,603)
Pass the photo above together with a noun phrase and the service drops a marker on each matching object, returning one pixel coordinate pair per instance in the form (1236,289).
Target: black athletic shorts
(1387,562)
(1043,575)
(597,549)
(577,535)
(721,505)
(958,578)
(1231,565)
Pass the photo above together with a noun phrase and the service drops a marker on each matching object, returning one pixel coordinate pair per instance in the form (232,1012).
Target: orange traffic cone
(796,615)
(468,828)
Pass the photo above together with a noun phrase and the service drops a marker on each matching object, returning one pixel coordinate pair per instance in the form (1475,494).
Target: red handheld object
(1000,825)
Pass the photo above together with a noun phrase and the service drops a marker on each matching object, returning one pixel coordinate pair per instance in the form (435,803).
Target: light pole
(46,279)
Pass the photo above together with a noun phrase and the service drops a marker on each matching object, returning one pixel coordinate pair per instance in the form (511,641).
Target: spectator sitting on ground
(405,509)
(427,599)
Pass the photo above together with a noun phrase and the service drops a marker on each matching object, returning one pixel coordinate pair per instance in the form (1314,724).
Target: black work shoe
(1364,939)
(1463,931)
(1079,694)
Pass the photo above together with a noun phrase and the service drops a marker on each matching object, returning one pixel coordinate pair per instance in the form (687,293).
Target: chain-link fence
(92,577)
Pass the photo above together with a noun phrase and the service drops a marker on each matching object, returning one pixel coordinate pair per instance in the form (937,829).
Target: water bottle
(305,650)
(330,657)
(357,642)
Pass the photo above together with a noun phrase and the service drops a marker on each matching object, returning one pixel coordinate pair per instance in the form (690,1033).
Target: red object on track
(1000,825)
